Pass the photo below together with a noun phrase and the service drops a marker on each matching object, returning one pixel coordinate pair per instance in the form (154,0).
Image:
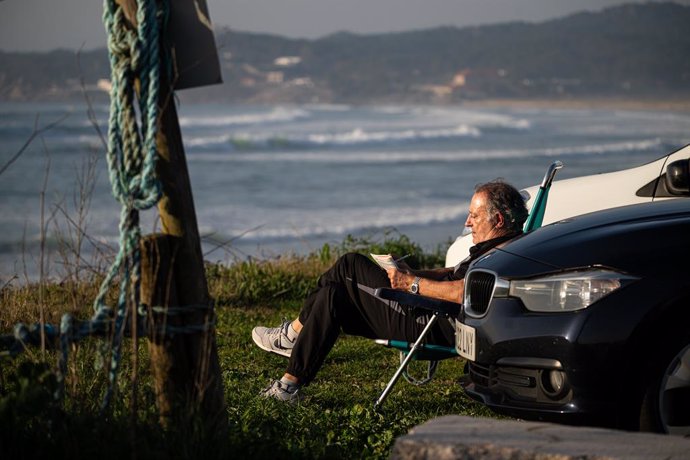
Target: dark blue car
(586,321)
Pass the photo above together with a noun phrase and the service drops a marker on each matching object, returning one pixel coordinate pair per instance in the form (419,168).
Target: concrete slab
(470,438)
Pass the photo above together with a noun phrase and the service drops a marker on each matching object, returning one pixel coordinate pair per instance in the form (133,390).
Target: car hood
(635,239)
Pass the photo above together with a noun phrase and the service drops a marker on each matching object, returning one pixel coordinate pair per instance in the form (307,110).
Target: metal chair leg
(409,357)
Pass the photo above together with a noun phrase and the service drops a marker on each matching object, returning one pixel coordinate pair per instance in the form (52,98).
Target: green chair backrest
(536,214)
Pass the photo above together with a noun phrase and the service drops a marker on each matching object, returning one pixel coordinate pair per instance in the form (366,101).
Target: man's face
(479,220)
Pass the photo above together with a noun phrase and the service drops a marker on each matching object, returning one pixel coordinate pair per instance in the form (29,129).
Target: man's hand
(399,280)
(402,263)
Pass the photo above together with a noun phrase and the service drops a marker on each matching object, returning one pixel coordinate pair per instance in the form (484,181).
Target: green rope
(131,158)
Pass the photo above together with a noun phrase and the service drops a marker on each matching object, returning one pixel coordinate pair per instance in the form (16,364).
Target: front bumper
(520,392)
(532,366)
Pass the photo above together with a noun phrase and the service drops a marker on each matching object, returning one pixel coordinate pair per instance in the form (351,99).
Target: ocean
(281,179)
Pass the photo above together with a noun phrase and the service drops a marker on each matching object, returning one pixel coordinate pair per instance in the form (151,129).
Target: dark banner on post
(193,45)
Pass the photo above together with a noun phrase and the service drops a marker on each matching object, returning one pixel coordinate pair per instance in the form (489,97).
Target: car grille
(481,375)
(479,287)
(489,376)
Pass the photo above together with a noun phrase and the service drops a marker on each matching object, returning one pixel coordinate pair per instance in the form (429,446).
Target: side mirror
(678,177)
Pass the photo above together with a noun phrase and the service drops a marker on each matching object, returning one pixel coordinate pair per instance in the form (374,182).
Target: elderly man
(497,213)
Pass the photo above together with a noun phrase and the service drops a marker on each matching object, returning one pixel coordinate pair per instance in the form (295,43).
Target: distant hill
(629,51)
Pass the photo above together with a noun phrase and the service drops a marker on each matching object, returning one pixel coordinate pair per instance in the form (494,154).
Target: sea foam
(460,155)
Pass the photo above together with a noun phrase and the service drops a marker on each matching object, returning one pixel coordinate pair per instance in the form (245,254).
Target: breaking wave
(277,115)
(287,223)
(355,137)
(435,156)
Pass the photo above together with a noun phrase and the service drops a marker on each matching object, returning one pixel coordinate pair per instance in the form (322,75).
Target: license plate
(465,340)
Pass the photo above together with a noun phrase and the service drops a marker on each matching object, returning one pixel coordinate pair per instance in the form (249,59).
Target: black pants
(337,304)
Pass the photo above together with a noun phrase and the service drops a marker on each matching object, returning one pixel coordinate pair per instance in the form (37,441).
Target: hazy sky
(39,25)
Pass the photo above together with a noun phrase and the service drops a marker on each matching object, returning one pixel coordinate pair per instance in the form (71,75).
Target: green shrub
(393,242)
(291,278)
(255,282)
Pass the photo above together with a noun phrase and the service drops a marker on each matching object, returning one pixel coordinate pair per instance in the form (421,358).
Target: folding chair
(444,309)
(432,353)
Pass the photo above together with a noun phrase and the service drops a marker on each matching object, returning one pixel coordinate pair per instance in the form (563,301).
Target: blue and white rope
(131,159)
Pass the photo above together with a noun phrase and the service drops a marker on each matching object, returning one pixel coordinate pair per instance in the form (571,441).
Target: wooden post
(158,289)
(195,370)
(185,366)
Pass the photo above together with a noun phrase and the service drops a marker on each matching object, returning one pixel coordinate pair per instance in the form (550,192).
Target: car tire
(666,403)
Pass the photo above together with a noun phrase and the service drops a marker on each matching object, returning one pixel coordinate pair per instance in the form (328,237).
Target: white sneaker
(274,339)
(282,392)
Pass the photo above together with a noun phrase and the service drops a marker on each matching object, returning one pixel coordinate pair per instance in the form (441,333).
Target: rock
(470,438)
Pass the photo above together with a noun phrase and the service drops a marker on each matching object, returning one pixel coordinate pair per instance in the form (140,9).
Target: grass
(337,420)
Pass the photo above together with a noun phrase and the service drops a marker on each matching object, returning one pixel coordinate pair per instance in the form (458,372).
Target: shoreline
(675,105)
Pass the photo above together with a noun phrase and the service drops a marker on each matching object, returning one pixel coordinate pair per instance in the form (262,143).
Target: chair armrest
(444,307)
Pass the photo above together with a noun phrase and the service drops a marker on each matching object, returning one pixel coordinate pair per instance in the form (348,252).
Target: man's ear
(500,220)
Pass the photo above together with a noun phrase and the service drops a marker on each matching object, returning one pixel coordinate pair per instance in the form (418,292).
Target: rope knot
(131,214)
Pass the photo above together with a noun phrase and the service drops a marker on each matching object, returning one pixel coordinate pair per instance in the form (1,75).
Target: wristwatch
(414,287)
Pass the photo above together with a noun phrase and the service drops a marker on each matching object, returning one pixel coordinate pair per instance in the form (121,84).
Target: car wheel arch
(645,364)
(662,410)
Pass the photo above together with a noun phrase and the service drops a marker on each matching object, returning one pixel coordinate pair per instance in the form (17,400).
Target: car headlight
(570,291)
